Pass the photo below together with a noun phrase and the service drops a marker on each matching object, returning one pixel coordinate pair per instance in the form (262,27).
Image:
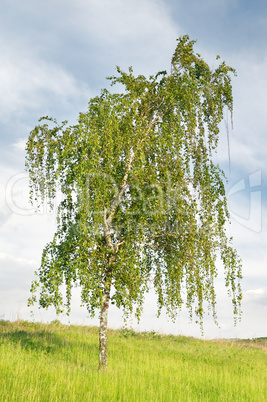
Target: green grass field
(54,362)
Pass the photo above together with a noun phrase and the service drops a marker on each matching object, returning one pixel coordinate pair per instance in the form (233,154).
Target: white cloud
(27,82)
(248,140)
(120,21)
(20,144)
(133,32)
(16,260)
(258,296)
(255,292)
(138,33)
(45,67)
(116,22)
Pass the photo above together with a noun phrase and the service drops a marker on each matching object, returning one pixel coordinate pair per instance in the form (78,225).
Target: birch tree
(143,202)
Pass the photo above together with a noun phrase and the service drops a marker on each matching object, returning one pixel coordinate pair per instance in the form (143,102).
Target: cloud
(248,140)
(140,33)
(23,233)
(15,272)
(258,296)
(86,36)
(58,54)
(256,292)
(113,22)
(28,83)
(20,144)
(16,260)
(119,20)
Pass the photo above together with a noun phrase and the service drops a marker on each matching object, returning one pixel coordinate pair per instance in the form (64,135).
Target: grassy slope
(40,362)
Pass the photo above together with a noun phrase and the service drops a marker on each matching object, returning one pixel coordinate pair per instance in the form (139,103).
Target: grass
(54,362)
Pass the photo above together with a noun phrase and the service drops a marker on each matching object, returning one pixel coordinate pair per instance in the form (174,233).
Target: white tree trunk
(103,347)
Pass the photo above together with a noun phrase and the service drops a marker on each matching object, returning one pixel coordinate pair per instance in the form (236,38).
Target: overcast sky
(55,56)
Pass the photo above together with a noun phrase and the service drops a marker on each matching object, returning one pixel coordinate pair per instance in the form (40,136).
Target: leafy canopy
(142,199)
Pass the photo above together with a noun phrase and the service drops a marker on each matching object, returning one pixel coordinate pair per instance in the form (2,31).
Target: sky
(55,56)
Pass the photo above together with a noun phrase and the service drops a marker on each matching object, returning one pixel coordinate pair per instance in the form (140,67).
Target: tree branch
(118,199)
(107,230)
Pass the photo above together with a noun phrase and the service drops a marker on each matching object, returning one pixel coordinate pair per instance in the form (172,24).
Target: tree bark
(103,347)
